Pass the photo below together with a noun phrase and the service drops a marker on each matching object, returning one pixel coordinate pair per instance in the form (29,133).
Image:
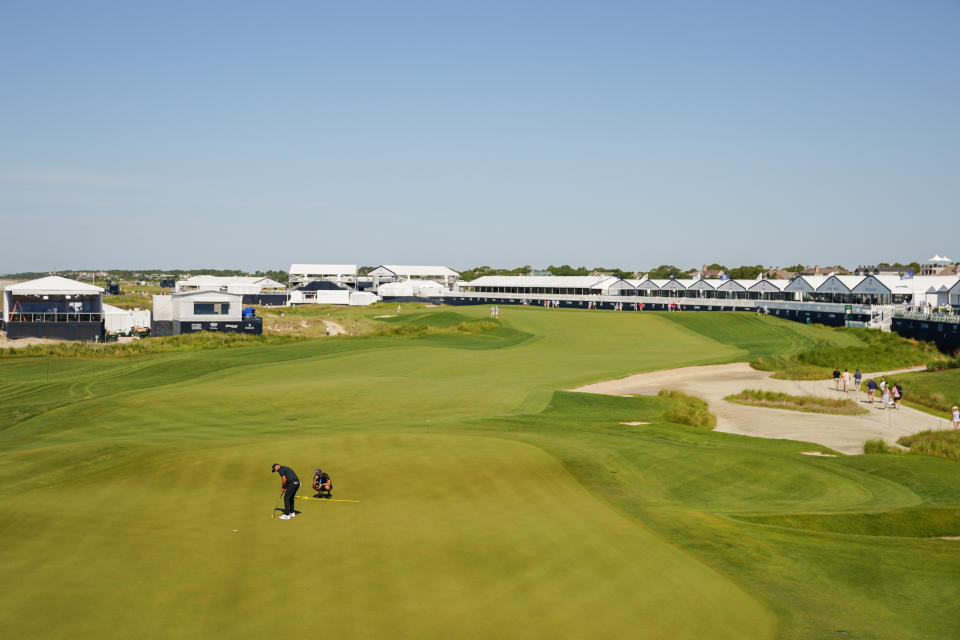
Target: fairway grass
(453,536)
(137,499)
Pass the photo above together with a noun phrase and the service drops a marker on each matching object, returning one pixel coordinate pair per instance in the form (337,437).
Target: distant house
(825,271)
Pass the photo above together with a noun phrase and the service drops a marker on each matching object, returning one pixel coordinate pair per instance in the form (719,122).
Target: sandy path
(335,328)
(712,383)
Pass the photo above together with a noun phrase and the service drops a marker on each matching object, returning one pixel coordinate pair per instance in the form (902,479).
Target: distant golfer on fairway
(322,484)
(289,483)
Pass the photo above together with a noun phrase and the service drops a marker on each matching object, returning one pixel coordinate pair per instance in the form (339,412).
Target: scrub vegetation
(875,351)
(879,445)
(491,503)
(688,410)
(943,444)
(809,404)
(186,342)
(935,391)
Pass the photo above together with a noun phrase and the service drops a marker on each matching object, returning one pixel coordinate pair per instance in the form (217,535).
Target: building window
(211,308)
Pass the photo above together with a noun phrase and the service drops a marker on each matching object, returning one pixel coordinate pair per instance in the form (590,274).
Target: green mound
(920,522)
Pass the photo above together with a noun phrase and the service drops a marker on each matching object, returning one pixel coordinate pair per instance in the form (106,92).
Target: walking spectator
(956,417)
(857,376)
(885,398)
(846,379)
(871,389)
(897,395)
(836,379)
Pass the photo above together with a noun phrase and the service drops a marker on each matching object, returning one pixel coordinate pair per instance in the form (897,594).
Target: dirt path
(335,328)
(712,383)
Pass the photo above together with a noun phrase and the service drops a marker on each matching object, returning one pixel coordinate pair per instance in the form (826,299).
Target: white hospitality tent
(413,288)
(243,285)
(397,272)
(303,273)
(51,295)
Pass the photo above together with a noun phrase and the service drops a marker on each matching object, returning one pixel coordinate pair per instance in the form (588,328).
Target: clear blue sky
(630,134)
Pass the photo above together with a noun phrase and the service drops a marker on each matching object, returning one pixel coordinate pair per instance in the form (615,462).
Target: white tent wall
(362,298)
(413,288)
(163,308)
(323,296)
(116,320)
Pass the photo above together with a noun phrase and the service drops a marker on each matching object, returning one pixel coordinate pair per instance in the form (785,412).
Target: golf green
(137,496)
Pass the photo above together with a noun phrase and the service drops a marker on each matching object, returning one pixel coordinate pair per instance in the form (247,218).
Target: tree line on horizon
(661,272)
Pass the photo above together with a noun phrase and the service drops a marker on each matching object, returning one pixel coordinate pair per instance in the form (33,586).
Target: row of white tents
(386,281)
(867,289)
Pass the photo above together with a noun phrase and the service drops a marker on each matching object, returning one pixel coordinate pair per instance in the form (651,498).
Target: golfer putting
(289,483)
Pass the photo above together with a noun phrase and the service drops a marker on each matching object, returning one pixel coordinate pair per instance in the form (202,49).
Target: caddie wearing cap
(322,484)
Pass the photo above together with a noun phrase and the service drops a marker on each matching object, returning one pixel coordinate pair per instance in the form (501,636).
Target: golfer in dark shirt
(289,483)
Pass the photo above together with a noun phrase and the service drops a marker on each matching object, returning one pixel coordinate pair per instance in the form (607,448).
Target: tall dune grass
(688,410)
(809,404)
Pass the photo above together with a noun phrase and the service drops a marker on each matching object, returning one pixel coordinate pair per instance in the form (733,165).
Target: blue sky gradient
(629,134)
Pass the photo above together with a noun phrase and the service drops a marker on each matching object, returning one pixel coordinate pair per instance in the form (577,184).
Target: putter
(273,514)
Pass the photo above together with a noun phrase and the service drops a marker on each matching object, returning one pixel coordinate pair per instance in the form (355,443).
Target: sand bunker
(712,383)
(6,343)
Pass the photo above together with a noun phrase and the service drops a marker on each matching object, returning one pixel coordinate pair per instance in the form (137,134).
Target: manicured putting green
(454,536)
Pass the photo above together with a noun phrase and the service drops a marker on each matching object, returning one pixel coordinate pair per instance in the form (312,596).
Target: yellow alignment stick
(323,499)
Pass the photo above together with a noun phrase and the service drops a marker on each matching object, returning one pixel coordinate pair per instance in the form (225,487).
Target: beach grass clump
(875,351)
(878,445)
(943,364)
(688,410)
(940,444)
(809,404)
(934,391)
(201,341)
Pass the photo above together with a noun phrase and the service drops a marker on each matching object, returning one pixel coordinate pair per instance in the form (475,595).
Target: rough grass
(879,445)
(876,351)
(201,341)
(941,444)
(942,364)
(936,391)
(688,410)
(808,404)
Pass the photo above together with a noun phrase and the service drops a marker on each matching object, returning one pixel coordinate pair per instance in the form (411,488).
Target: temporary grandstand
(301,274)
(827,299)
(863,290)
(397,273)
(254,289)
(243,285)
(53,307)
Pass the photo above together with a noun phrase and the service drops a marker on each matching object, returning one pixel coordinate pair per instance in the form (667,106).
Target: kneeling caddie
(322,484)
(289,483)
